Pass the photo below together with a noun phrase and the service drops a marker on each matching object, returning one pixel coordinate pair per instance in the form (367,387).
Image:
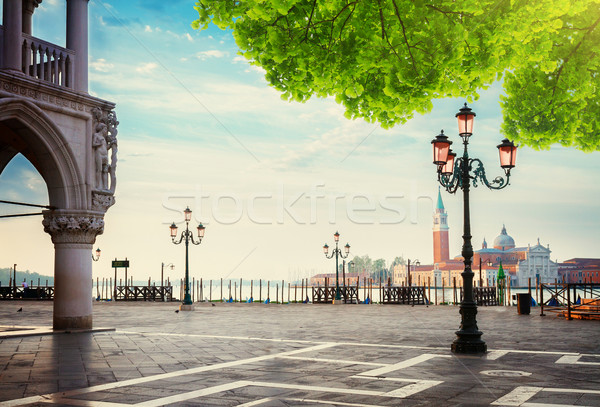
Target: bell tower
(441,250)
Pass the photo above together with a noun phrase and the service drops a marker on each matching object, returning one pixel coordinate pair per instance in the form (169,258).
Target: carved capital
(73,226)
(31,5)
(102,200)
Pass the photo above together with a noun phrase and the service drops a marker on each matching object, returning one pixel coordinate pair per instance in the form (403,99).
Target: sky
(271,180)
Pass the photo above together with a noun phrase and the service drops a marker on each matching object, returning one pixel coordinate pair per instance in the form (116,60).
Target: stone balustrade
(48,62)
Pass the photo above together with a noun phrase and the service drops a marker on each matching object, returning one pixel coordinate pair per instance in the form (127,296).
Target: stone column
(12,13)
(28,9)
(77,40)
(73,233)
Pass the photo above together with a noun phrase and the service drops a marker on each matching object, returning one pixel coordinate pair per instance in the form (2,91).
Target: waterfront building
(520,264)
(580,270)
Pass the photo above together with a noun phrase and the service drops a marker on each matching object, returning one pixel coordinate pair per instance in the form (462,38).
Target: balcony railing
(47,62)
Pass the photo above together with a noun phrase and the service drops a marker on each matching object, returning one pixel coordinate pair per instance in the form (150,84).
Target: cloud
(214,53)
(101,65)
(189,37)
(147,67)
(148,29)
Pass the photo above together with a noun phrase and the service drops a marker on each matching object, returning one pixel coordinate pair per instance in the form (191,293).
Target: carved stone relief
(104,143)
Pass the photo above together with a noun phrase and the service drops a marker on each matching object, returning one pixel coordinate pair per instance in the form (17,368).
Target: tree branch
(404,34)
(573,51)
(382,20)
(309,21)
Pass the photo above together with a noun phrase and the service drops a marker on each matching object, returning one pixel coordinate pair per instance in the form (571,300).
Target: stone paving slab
(296,355)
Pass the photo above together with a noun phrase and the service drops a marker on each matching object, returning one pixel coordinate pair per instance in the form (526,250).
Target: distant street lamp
(98,251)
(337,252)
(162,268)
(489,264)
(454,173)
(408,279)
(351,264)
(187,236)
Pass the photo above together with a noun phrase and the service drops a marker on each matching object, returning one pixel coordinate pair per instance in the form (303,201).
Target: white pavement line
(546,405)
(334,403)
(130,382)
(574,360)
(402,365)
(192,394)
(345,362)
(76,402)
(411,389)
(239,338)
(382,345)
(568,360)
(518,396)
(389,379)
(376,345)
(292,386)
(536,352)
(551,389)
(496,354)
(255,402)
(243,383)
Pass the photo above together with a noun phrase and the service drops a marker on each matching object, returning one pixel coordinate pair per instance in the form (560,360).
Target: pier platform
(295,355)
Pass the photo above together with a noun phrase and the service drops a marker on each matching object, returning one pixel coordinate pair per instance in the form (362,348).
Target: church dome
(504,241)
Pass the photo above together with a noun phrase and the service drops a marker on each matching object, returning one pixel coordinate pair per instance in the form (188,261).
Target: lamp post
(408,279)
(454,173)
(489,264)
(351,264)
(338,253)
(162,268)
(187,236)
(98,251)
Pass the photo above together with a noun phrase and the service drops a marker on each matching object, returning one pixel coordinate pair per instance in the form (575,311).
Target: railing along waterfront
(563,298)
(27,293)
(144,293)
(326,295)
(483,296)
(47,62)
(404,295)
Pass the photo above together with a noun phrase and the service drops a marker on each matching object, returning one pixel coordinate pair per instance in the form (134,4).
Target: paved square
(297,355)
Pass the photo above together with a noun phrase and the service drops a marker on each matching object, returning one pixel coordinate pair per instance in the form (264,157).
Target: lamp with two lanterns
(187,236)
(337,252)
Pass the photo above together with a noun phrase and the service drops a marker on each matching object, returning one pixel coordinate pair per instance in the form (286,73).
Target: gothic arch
(26,129)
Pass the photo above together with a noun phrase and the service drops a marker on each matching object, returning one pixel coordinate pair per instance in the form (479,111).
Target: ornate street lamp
(337,252)
(454,173)
(187,236)
(408,279)
(98,251)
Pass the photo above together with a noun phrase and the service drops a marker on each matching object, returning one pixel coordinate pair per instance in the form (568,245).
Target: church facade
(520,264)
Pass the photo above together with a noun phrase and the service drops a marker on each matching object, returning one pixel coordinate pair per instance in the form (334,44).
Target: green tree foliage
(384,60)
(362,264)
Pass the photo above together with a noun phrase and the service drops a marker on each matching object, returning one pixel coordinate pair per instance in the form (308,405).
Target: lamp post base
(186,307)
(469,342)
(468,347)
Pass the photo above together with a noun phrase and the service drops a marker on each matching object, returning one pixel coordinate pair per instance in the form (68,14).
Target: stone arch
(26,129)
